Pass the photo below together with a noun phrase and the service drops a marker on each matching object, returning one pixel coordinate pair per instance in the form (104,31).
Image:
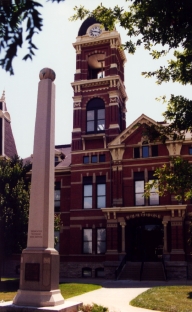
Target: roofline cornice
(107,36)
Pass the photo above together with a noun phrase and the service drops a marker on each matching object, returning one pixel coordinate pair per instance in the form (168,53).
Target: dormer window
(59,156)
(95,116)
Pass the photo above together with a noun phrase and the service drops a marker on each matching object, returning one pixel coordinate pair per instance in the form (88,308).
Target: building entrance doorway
(144,239)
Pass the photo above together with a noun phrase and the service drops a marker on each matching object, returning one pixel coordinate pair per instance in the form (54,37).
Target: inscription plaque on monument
(32,271)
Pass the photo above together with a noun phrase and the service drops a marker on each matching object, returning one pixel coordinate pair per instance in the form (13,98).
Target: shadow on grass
(189,295)
(9,285)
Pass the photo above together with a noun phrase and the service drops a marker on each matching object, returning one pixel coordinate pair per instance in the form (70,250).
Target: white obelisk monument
(39,275)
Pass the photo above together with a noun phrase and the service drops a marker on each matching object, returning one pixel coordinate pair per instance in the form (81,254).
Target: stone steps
(131,271)
(152,271)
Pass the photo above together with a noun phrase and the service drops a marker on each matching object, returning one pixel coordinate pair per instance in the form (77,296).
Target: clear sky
(55,50)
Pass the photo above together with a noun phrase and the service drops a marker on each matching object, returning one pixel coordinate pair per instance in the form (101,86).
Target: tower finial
(3,96)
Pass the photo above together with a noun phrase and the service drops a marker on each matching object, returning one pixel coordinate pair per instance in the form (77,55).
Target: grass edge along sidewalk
(165,298)
(9,287)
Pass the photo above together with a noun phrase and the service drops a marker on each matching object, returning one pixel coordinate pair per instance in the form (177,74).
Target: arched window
(95,115)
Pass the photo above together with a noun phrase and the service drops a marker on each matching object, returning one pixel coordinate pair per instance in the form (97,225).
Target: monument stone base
(39,279)
(68,306)
(38,298)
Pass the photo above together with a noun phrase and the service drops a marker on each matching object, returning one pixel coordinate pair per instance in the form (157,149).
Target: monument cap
(47,73)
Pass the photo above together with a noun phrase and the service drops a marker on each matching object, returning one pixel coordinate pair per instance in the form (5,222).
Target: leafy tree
(174,178)
(159,26)
(14,204)
(57,221)
(13,15)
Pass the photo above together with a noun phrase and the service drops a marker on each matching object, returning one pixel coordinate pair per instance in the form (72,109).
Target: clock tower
(99,102)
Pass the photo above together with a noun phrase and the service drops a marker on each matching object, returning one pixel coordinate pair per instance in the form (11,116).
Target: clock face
(95,31)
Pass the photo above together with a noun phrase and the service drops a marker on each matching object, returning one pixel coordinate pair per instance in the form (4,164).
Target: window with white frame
(87,241)
(154,195)
(87,193)
(95,115)
(139,183)
(139,188)
(101,240)
(139,193)
(101,191)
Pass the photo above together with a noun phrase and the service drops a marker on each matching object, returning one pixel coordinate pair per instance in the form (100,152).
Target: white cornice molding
(129,130)
(108,81)
(76,130)
(113,126)
(142,210)
(112,37)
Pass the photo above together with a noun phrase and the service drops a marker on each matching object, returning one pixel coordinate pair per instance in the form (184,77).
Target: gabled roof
(143,119)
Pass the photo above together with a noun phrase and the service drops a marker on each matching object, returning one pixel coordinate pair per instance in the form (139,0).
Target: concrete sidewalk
(116,295)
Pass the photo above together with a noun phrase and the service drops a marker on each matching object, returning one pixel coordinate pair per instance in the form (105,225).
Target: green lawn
(166,298)
(69,290)
(9,287)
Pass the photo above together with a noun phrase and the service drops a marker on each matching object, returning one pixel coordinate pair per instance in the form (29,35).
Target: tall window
(101,241)
(154,150)
(95,115)
(139,188)
(136,152)
(102,158)
(87,241)
(94,158)
(57,196)
(85,159)
(87,193)
(154,196)
(145,151)
(101,191)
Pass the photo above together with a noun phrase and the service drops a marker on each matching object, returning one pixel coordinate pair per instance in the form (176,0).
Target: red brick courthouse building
(100,177)
(100,181)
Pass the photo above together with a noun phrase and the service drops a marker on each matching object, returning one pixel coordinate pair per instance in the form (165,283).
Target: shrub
(93,308)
